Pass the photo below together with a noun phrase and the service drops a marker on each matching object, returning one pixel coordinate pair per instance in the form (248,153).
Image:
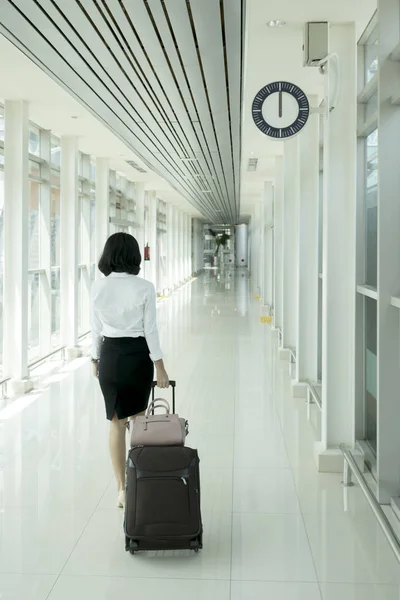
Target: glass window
(1,260)
(34,225)
(371,108)
(80,294)
(371,208)
(33,315)
(1,124)
(55,178)
(34,140)
(55,265)
(34,169)
(370,325)
(93,257)
(371,56)
(80,164)
(55,151)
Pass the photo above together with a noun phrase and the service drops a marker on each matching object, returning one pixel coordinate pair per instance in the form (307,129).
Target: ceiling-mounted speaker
(316,43)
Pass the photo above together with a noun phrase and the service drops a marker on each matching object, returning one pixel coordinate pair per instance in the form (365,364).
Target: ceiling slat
(156,72)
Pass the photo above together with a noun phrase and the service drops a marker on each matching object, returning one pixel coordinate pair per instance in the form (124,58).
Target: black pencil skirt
(125,375)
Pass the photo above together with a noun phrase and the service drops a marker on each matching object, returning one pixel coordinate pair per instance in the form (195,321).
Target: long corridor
(274,528)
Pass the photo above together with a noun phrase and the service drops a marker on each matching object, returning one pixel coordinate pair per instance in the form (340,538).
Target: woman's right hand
(162,378)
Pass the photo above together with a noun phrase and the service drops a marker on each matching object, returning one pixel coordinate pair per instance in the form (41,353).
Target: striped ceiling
(164,75)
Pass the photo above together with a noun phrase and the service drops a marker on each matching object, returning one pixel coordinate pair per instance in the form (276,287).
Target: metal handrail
(313,392)
(43,359)
(351,467)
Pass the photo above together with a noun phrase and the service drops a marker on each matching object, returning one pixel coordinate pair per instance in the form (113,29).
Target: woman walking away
(125,342)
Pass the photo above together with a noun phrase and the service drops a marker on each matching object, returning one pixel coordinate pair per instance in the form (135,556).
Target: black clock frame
(281,133)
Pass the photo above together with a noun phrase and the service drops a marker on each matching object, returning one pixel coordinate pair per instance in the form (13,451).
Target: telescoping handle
(172,384)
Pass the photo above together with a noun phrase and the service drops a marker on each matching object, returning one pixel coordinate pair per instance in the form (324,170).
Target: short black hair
(121,254)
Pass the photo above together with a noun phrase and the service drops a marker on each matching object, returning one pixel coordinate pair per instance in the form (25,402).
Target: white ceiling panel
(164,75)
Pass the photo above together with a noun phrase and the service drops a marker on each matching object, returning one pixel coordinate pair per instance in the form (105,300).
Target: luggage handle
(172,384)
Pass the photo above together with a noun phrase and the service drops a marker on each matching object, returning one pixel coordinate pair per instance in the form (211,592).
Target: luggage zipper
(184,480)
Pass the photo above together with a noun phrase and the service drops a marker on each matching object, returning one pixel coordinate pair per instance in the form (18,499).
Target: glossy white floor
(274,528)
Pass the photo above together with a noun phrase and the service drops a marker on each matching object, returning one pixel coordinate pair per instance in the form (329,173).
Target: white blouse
(124,305)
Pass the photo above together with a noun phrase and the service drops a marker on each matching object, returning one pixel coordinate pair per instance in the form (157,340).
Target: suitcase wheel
(196,545)
(133,547)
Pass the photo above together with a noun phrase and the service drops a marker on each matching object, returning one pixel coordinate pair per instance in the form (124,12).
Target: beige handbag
(164,429)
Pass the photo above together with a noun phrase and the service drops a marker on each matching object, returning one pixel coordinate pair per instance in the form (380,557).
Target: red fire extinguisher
(147,252)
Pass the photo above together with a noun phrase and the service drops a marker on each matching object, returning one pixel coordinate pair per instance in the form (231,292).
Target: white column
(180,247)
(198,246)
(69,245)
(339,245)
(307,304)
(84,242)
(195,248)
(261,253)
(255,242)
(139,218)
(291,202)
(175,259)
(188,245)
(102,225)
(170,247)
(45,245)
(151,274)
(278,243)
(268,250)
(190,248)
(184,257)
(388,350)
(16,208)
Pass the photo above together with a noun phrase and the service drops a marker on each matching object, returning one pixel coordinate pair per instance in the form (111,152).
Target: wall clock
(280,110)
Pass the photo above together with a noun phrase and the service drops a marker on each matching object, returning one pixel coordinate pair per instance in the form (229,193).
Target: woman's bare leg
(118,450)
(118,453)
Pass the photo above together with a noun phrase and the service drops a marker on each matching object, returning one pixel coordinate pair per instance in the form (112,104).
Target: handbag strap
(158,403)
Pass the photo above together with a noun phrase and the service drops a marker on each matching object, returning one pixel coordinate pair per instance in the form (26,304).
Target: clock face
(280,110)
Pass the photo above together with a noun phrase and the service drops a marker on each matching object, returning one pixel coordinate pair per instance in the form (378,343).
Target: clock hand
(280,104)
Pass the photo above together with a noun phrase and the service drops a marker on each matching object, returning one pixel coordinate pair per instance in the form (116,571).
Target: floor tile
(215,451)
(110,588)
(260,452)
(265,491)
(46,486)
(101,552)
(333,591)
(351,549)
(256,590)
(271,548)
(323,493)
(38,542)
(26,587)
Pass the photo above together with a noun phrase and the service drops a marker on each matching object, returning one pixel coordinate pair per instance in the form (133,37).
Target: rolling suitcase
(162,510)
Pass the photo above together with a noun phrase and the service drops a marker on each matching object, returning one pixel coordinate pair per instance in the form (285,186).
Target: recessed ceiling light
(276,23)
